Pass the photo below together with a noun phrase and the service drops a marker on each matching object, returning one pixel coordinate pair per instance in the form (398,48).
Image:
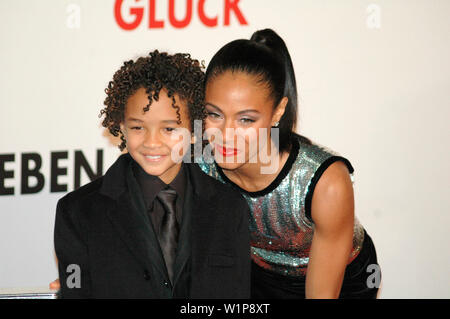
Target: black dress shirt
(151,185)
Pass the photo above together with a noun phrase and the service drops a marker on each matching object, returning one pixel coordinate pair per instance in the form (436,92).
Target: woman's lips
(226,151)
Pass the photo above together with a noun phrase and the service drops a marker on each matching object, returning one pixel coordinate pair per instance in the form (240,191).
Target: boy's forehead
(141,98)
(163,105)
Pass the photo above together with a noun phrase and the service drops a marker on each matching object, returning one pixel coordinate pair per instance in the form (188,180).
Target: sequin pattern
(281,233)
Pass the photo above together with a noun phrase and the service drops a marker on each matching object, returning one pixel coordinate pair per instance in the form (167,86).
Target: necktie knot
(168,198)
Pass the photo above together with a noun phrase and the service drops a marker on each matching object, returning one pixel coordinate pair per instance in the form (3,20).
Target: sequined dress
(281,226)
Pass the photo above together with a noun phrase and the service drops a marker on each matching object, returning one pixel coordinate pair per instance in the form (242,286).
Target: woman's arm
(332,210)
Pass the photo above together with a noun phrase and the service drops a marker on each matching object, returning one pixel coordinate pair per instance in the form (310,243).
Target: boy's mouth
(154,158)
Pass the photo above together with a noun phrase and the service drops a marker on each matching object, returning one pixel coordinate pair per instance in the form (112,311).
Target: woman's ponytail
(265,55)
(275,43)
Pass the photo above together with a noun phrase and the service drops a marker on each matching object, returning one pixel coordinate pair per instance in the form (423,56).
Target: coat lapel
(202,230)
(199,224)
(184,244)
(203,215)
(135,228)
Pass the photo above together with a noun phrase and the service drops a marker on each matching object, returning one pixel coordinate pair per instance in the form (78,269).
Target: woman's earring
(276,124)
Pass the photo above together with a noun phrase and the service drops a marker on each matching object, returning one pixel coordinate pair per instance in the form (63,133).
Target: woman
(305,240)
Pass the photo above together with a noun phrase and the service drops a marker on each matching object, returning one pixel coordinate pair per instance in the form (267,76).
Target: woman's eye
(170,129)
(247,120)
(213,115)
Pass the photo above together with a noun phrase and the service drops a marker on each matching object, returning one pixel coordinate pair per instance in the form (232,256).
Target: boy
(153,226)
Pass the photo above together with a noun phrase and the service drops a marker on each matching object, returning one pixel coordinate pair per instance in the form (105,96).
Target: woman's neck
(254,177)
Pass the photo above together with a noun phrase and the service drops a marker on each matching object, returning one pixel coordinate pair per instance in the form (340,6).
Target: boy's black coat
(101,230)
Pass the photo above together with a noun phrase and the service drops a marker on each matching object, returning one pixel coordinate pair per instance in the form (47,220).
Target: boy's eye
(170,129)
(136,128)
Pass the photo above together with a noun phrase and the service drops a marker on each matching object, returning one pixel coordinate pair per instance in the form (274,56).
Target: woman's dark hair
(177,74)
(266,57)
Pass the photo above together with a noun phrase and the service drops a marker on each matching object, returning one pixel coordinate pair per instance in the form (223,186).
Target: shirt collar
(151,185)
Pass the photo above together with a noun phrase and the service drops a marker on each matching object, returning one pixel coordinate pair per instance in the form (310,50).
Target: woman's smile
(226,151)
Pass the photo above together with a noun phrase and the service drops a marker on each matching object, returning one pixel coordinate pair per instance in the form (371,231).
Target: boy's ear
(123,130)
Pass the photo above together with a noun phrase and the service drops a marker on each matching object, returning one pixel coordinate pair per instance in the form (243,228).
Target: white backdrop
(373,77)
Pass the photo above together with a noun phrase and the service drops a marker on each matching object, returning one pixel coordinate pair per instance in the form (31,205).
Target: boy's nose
(152,139)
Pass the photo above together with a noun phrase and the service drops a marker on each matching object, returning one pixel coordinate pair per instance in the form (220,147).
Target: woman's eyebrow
(240,112)
(214,106)
(248,111)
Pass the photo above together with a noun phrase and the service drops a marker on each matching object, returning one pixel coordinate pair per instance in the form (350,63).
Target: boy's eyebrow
(170,121)
(134,119)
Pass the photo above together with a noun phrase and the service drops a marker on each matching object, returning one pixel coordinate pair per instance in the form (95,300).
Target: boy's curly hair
(177,74)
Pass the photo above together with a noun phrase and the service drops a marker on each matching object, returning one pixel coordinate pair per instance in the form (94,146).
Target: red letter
(201,13)
(233,5)
(137,12)
(180,23)
(152,22)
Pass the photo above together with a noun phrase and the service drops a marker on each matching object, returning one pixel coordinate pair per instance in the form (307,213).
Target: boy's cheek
(179,149)
(181,135)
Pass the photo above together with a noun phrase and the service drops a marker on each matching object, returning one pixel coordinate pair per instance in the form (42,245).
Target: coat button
(146,275)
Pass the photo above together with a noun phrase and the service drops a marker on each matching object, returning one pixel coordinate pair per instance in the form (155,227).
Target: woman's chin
(226,164)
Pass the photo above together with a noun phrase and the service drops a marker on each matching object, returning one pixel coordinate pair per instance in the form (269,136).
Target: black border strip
(316,177)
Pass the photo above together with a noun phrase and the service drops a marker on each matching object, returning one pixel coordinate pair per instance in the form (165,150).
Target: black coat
(101,230)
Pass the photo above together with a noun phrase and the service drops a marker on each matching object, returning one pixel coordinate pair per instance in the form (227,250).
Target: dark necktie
(168,235)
